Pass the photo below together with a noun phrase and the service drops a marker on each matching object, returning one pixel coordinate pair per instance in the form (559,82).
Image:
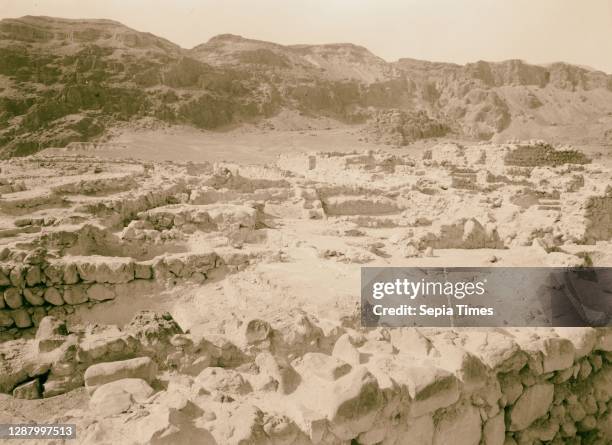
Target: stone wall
(29,292)
(382,386)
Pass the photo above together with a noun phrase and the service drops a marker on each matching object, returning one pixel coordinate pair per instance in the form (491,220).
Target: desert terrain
(180,254)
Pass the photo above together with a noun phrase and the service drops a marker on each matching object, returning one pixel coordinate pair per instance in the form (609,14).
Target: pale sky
(538,31)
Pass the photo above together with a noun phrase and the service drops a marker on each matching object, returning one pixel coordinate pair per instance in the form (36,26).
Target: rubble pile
(255,383)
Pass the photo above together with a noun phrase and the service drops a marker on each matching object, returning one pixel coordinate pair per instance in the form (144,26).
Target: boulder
(118,396)
(277,370)
(137,368)
(460,425)
(51,334)
(153,332)
(353,404)
(430,388)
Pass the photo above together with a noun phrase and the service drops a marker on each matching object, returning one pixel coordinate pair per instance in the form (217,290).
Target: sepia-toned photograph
(316,222)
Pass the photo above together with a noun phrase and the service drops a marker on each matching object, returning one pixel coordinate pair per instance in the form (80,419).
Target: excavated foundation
(250,280)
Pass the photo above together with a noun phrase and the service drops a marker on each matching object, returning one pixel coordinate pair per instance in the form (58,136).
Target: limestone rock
(494,430)
(137,368)
(531,405)
(225,381)
(29,390)
(345,350)
(71,274)
(22,318)
(50,327)
(34,295)
(53,274)
(256,331)
(511,387)
(558,353)
(33,276)
(52,295)
(6,321)
(460,425)
(322,366)
(17,276)
(100,292)
(76,294)
(279,371)
(354,403)
(13,298)
(118,396)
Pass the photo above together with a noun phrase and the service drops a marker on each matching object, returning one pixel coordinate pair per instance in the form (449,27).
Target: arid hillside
(72,80)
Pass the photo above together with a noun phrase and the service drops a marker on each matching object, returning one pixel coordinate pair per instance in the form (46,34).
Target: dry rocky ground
(64,81)
(189,302)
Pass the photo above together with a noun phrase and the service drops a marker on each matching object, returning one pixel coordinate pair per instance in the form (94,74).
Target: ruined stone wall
(598,217)
(29,292)
(382,386)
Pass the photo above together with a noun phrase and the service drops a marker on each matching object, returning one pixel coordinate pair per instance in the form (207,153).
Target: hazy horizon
(540,32)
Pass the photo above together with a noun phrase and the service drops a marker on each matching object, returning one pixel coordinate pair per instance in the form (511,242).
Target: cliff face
(70,80)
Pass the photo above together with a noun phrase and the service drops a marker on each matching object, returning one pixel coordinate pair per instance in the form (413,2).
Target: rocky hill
(71,80)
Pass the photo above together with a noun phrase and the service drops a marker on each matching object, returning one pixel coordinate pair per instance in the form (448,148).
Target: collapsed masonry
(79,233)
(68,215)
(255,383)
